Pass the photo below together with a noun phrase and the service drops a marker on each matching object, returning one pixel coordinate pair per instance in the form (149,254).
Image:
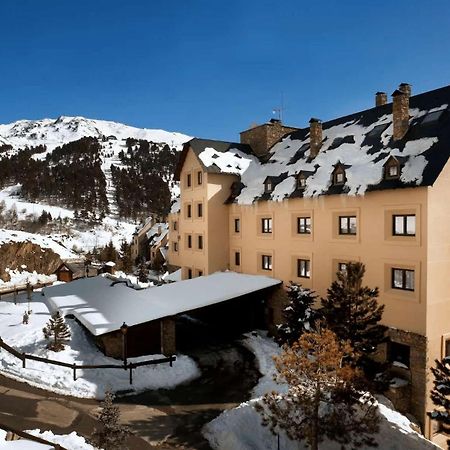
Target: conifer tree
(323,398)
(111,435)
(352,312)
(142,273)
(56,330)
(299,315)
(440,395)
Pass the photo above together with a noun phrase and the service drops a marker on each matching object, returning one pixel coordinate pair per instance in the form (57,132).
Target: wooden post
(24,359)
(171,361)
(131,374)
(74,372)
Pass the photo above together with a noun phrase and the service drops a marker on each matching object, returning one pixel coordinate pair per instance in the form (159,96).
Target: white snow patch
(81,349)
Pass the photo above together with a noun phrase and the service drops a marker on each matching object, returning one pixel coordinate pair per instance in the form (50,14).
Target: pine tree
(352,312)
(440,395)
(57,330)
(127,263)
(112,434)
(142,273)
(299,315)
(323,398)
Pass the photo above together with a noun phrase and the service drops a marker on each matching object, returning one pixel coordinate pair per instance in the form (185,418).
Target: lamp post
(124,330)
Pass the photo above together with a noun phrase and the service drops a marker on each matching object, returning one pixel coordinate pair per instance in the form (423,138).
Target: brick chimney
(400,110)
(315,137)
(380,98)
(262,137)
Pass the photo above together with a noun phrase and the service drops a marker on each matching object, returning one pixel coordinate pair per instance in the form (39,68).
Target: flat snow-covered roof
(102,308)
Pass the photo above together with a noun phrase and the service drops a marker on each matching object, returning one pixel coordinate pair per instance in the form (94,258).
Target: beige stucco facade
(422,314)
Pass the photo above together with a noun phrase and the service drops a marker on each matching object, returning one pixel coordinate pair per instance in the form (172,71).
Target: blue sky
(209,68)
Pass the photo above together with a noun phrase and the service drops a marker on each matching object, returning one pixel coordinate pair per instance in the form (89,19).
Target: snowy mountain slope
(55,132)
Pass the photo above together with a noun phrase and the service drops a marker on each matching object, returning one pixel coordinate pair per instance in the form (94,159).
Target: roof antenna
(278,111)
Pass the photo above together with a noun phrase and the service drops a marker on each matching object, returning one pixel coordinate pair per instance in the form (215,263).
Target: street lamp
(124,330)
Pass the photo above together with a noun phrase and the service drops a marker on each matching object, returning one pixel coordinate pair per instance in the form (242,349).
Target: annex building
(299,203)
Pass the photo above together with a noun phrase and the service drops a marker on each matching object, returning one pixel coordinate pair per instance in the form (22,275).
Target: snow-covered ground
(241,428)
(70,441)
(92,383)
(56,132)
(51,242)
(19,278)
(97,236)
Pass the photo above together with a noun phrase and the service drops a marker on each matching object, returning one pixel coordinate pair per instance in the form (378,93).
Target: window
(342,267)
(403,279)
(268,186)
(189,211)
(175,225)
(188,180)
(303,268)
(237,225)
(199,177)
(304,225)
(339,176)
(175,246)
(237,258)
(199,209)
(301,182)
(393,171)
(404,225)
(266,225)
(189,241)
(200,273)
(399,354)
(200,242)
(347,225)
(189,273)
(447,348)
(267,262)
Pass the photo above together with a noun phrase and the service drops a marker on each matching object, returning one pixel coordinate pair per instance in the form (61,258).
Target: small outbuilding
(69,271)
(104,305)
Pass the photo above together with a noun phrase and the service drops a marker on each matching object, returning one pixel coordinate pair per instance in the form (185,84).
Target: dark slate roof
(424,123)
(438,125)
(198,145)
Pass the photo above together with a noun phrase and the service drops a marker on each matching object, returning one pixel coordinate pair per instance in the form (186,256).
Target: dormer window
(392,169)
(268,187)
(339,177)
(301,182)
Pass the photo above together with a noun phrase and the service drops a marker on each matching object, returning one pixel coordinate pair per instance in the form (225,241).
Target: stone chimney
(405,88)
(400,110)
(315,137)
(262,137)
(380,98)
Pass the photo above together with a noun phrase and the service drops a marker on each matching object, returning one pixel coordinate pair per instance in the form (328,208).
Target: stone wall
(417,371)
(168,336)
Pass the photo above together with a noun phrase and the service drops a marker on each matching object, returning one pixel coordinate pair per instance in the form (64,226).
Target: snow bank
(7,236)
(22,277)
(91,383)
(241,428)
(70,441)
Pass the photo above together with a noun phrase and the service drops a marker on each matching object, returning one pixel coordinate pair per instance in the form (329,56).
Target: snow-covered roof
(362,143)
(157,233)
(218,156)
(102,307)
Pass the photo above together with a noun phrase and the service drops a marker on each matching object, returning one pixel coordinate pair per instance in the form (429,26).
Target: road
(159,419)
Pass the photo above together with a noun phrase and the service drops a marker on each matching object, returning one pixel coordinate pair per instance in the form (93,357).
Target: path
(159,419)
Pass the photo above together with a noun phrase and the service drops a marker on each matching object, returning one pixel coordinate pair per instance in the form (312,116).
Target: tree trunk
(315,422)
